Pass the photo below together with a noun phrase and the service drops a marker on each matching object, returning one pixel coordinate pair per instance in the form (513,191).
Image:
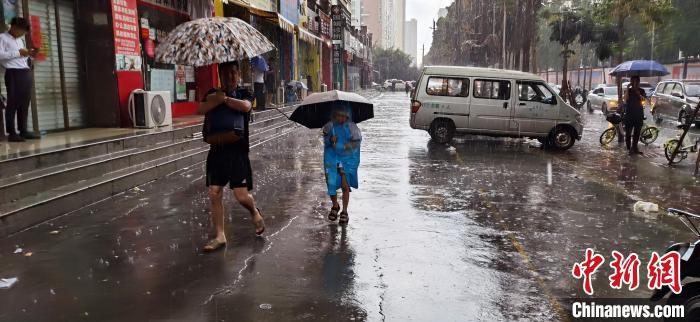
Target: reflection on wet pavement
(469,231)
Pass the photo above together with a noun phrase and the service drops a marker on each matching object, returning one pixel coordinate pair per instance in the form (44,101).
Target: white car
(451,100)
(604,98)
(400,86)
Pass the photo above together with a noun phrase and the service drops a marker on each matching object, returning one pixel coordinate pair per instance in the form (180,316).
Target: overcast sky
(424,11)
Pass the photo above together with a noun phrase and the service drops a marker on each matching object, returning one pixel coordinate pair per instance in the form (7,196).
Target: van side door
(491,106)
(449,98)
(537,110)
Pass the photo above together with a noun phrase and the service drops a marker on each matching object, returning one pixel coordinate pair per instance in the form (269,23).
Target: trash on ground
(533,143)
(54,232)
(644,206)
(265,306)
(6,283)
(28,254)
(18,250)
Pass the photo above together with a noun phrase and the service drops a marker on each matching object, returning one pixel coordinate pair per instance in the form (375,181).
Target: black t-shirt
(635,108)
(223,112)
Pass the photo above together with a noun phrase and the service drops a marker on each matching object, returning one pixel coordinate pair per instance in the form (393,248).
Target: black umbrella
(317,108)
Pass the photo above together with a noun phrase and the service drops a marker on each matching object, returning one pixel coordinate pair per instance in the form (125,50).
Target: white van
(450,100)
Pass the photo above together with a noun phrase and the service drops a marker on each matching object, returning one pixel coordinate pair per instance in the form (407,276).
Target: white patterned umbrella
(208,41)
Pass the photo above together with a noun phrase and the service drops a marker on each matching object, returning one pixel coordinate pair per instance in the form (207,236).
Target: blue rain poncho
(341,157)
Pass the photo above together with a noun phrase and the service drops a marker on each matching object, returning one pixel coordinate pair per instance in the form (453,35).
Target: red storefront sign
(37,43)
(126,34)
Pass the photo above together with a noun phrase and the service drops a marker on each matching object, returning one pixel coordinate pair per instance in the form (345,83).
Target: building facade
(411,39)
(87,83)
(371,17)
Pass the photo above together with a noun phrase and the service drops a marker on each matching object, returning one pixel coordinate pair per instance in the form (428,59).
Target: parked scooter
(690,268)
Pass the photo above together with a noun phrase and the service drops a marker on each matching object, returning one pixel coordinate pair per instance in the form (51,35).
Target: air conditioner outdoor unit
(150,109)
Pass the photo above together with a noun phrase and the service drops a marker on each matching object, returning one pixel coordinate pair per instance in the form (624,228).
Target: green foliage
(394,63)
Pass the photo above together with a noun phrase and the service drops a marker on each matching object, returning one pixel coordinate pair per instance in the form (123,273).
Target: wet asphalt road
(470,231)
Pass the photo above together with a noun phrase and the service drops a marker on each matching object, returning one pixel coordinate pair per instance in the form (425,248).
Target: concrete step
(27,184)
(87,150)
(51,191)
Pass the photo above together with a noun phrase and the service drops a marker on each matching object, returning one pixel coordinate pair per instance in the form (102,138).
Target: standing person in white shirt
(18,78)
(259,68)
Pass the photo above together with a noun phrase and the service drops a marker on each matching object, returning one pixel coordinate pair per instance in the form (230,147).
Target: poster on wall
(126,35)
(180,83)
(163,80)
(189,74)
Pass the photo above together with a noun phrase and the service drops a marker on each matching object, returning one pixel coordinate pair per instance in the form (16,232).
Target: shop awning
(285,24)
(271,16)
(307,36)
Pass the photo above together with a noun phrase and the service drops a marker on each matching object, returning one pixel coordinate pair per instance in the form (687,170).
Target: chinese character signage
(325,25)
(338,24)
(337,54)
(126,35)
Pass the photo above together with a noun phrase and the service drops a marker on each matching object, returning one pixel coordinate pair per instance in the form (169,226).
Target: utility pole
(504,36)
(422,60)
(653,35)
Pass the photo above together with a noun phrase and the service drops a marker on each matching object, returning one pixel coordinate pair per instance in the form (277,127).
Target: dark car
(675,100)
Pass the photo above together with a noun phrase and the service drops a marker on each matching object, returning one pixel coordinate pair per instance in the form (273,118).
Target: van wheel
(589,107)
(604,109)
(561,138)
(442,131)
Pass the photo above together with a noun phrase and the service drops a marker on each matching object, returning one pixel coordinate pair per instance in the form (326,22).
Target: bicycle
(687,147)
(648,136)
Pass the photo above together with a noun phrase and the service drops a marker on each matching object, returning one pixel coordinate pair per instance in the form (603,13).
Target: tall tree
(394,64)
(474,33)
(568,27)
(620,12)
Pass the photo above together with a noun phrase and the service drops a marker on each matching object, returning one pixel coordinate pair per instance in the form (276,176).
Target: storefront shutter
(47,72)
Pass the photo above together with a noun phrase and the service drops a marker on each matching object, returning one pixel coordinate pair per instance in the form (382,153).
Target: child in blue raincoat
(341,158)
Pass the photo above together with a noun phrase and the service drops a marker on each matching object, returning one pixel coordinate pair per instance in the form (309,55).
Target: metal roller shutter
(47,72)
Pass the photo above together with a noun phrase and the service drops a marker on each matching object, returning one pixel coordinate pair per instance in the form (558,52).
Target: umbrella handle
(283,113)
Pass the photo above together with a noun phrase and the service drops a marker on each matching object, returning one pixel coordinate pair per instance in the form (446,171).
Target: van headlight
(612,103)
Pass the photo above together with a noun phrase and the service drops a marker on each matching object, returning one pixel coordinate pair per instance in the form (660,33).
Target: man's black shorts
(227,165)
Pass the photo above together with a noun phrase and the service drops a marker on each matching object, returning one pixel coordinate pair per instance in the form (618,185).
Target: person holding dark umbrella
(634,111)
(341,138)
(341,159)
(634,115)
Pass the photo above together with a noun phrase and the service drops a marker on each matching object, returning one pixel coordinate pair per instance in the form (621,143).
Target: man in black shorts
(228,163)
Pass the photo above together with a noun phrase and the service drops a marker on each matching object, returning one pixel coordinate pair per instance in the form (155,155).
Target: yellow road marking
(553,301)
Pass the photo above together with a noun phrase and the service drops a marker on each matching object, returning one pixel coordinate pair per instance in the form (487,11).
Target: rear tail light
(415,106)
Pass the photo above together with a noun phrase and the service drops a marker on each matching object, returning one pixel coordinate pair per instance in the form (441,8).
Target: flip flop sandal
(259,233)
(333,215)
(213,245)
(344,218)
